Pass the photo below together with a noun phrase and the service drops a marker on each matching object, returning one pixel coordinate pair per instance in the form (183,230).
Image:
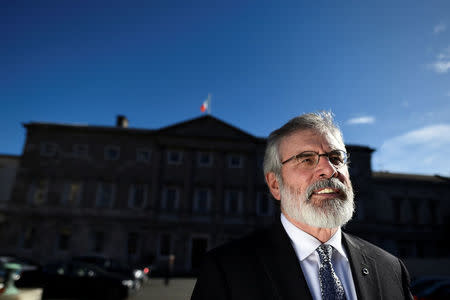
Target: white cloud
(444,55)
(441,27)
(440,66)
(361,120)
(442,63)
(421,151)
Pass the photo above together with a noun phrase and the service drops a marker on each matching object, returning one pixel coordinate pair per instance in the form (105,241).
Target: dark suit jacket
(264,266)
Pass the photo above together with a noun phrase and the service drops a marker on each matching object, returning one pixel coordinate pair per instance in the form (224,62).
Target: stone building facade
(8,169)
(141,195)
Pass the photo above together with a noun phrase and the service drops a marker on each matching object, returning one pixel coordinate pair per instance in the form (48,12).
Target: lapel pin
(365,271)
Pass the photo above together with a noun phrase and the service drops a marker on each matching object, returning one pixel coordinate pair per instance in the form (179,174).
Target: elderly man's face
(308,196)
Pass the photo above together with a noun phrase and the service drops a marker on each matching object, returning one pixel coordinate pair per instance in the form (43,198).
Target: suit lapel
(364,270)
(282,266)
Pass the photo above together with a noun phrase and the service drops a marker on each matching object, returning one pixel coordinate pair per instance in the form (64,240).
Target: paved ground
(178,289)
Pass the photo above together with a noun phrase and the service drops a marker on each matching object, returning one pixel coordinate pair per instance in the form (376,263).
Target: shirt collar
(306,244)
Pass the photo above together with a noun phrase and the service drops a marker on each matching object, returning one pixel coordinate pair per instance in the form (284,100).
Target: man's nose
(325,168)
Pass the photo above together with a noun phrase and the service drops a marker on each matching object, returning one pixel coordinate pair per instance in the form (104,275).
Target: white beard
(330,213)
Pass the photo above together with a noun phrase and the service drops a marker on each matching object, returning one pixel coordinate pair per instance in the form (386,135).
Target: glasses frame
(327,154)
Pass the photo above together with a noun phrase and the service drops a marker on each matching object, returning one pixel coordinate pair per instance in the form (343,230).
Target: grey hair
(321,121)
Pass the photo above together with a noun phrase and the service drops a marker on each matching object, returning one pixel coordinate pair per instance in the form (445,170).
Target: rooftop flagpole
(209,104)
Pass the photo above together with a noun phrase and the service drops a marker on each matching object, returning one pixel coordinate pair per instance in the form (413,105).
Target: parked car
(9,272)
(3,277)
(145,271)
(431,288)
(78,280)
(30,273)
(112,265)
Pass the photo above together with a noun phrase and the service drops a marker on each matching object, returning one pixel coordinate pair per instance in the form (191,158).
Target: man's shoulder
(242,246)
(367,247)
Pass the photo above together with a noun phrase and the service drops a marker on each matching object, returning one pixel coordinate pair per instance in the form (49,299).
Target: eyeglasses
(310,159)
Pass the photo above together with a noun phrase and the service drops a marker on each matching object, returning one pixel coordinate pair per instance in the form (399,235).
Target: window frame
(31,240)
(231,165)
(44,151)
(131,195)
(67,232)
(171,244)
(100,185)
(164,203)
(141,159)
(203,164)
(137,243)
(195,206)
(106,152)
(240,203)
(264,196)
(95,234)
(67,190)
(174,162)
(35,187)
(79,152)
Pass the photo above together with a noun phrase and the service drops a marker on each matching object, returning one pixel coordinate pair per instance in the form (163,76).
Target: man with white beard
(305,255)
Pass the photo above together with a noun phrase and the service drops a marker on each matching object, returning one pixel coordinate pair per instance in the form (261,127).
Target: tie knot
(325,251)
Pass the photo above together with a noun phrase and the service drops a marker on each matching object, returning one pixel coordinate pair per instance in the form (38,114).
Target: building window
(138,194)
(396,208)
(433,206)
(64,239)
(202,201)
(170,199)
(80,150)
(143,155)
(263,204)
(204,159)
(98,241)
(233,202)
(174,157)
(38,192)
(72,194)
(29,238)
(105,195)
(48,149)
(235,161)
(132,243)
(406,212)
(165,244)
(112,152)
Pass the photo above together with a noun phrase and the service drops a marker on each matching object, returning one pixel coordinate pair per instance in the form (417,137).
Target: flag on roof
(206,105)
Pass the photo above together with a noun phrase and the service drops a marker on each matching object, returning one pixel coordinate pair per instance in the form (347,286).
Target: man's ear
(274,185)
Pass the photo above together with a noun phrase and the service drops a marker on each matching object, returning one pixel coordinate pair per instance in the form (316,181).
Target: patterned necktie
(330,285)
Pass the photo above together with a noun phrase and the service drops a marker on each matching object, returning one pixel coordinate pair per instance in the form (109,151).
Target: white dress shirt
(305,246)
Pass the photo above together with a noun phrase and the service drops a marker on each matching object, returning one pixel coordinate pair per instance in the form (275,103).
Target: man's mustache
(333,183)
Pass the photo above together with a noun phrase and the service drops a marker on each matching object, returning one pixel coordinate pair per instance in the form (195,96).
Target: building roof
(10,156)
(205,126)
(85,127)
(359,148)
(410,177)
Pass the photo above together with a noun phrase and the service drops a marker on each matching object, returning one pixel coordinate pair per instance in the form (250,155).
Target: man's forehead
(305,138)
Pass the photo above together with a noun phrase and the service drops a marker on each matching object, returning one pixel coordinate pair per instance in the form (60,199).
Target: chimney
(122,121)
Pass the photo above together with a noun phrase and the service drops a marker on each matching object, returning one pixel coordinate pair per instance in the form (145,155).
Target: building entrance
(198,250)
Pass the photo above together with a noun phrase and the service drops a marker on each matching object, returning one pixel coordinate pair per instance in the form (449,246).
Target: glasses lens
(338,158)
(307,160)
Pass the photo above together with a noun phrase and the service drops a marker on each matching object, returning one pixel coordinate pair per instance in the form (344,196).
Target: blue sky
(382,67)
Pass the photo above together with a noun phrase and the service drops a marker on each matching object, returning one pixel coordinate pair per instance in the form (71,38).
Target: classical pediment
(206,126)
